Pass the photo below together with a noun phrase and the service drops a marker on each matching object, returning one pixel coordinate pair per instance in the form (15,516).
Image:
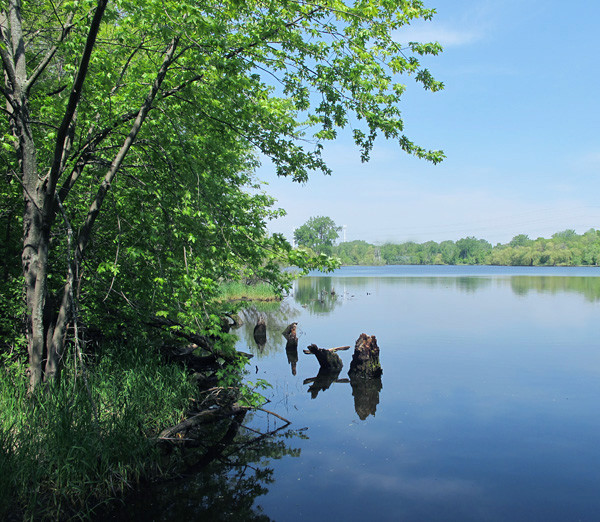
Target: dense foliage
(566,248)
(131,135)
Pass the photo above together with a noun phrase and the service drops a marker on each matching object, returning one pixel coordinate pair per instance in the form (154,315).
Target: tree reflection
(226,489)
(317,294)
(589,287)
(276,316)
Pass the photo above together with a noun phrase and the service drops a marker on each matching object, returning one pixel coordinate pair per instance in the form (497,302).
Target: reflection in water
(465,284)
(227,489)
(291,350)
(366,395)
(323,381)
(260,333)
(276,319)
(317,294)
(364,390)
(587,286)
(310,291)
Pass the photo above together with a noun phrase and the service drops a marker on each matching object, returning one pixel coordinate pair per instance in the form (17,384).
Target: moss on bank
(238,291)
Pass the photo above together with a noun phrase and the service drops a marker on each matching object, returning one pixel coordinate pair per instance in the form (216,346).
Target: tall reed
(71,447)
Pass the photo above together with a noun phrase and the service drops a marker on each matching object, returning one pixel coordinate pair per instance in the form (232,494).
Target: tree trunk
(45,327)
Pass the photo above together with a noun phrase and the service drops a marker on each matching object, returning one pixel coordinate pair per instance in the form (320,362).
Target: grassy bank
(66,452)
(238,291)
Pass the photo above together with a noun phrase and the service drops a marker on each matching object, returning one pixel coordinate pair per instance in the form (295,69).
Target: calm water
(488,408)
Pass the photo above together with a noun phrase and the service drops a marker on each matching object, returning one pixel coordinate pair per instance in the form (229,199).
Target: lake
(488,408)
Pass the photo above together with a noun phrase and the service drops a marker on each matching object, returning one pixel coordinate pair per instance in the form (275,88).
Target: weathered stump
(260,332)
(328,359)
(290,332)
(365,360)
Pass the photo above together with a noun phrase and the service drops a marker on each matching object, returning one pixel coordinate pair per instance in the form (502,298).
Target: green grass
(238,291)
(62,454)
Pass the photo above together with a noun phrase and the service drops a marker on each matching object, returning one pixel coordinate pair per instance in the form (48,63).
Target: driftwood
(365,360)
(328,359)
(237,320)
(197,363)
(199,418)
(177,329)
(336,349)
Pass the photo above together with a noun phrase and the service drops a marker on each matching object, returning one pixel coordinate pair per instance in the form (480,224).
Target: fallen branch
(199,418)
(336,349)
(178,330)
(287,422)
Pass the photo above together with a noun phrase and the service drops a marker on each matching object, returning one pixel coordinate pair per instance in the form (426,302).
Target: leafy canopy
(161,134)
(318,233)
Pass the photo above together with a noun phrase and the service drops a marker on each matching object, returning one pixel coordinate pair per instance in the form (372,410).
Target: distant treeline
(566,248)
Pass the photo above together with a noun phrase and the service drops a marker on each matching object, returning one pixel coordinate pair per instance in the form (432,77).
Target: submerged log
(365,360)
(328,359)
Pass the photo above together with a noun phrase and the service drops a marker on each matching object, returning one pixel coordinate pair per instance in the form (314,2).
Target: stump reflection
(366,395)
(323,381)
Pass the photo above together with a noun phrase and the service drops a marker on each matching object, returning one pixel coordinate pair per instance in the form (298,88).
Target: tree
(357,253)
(472,250)
(520,240)
(318,233)
(150,114)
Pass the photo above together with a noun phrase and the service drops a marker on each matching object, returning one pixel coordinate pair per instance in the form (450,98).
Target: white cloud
(432,32)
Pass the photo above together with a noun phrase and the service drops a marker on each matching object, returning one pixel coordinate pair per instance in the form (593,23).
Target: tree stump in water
(290,332)
(365,360)
(328,359)
(291,346)
(260,332)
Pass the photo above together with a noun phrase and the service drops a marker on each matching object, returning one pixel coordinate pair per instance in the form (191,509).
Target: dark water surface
(488,408)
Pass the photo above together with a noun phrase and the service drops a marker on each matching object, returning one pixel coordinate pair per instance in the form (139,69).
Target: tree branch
(75,96)
(49,55)
(85,231)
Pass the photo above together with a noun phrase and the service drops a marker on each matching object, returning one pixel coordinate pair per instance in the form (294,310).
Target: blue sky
(518,121)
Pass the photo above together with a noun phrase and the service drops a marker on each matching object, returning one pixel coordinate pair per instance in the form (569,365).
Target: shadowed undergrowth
(68,451)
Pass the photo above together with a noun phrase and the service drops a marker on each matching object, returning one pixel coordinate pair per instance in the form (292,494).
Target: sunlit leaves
(184,213)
